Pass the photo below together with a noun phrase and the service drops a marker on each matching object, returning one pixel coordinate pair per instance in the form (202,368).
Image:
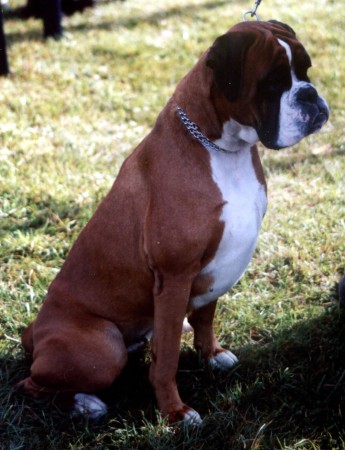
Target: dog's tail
(30,387)
(27,339)
(63,400)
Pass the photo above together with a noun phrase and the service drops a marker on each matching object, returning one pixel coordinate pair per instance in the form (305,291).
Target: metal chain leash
(252,11)
(197,134)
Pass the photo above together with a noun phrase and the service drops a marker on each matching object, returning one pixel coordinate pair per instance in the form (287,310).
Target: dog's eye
(277,81)
(273,79)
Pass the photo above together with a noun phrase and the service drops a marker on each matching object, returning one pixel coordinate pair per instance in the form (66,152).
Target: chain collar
(197,134)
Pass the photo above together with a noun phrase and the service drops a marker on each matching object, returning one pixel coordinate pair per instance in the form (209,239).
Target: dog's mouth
(318,112)
(318,122)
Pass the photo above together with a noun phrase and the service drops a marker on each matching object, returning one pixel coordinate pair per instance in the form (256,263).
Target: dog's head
(261,70)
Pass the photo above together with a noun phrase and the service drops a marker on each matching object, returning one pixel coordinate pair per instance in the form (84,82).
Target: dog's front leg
(205,340)
(170,306)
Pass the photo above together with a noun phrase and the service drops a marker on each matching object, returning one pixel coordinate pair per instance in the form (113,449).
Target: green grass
(71,111)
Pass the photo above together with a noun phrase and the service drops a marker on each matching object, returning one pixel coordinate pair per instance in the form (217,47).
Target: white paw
(186,327)
(89,406)
(223,360)
(192,418)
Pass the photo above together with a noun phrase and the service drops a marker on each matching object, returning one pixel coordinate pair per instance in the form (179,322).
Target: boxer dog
(178,227)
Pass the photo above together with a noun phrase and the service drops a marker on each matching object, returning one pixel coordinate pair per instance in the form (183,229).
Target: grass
(71,111)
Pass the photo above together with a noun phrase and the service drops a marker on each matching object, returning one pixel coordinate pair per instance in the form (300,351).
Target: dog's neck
(194,130)
(223,134)
(234,138)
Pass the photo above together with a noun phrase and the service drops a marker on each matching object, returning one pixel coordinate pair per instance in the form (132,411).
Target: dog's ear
(226,57)
(283,25)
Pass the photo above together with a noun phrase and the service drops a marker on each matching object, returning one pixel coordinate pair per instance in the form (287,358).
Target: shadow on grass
(290,161)
(286,390)
(295,384)
(130,23)
(45,214)
(153,19)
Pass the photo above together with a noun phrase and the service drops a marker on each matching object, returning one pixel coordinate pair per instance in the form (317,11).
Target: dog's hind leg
(205,340)
(77,360)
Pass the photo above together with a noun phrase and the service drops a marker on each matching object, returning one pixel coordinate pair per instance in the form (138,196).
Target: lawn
(71,111)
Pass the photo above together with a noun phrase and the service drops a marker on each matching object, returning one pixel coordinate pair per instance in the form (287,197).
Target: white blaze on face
(294,118)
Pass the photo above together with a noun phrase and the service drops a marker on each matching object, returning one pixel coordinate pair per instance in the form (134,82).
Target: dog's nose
(307,94)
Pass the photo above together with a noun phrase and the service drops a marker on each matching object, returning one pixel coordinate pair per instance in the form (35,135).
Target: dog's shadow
(294,384)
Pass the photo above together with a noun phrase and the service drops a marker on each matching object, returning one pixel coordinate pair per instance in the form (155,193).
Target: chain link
(252,11)
(196,133)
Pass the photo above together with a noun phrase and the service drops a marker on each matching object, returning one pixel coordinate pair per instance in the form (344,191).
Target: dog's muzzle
(313,106)
(302,112)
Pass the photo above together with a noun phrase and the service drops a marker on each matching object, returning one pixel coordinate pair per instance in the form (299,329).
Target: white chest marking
(236,137)
(242,215)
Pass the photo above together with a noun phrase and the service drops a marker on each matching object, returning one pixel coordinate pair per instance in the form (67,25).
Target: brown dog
(179,225)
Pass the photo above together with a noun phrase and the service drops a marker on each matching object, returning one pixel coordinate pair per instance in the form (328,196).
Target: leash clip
(252,12)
